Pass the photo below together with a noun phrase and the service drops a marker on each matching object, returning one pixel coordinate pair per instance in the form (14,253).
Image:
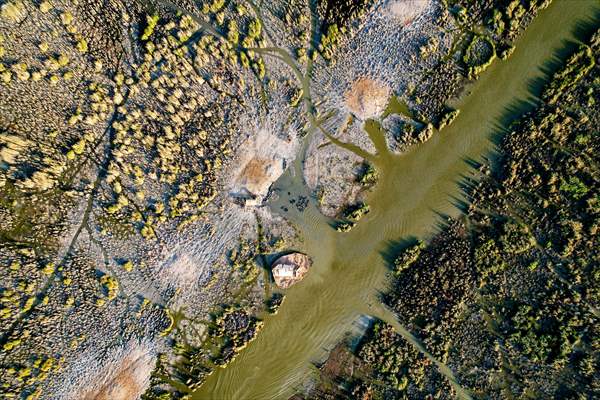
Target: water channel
(349,269)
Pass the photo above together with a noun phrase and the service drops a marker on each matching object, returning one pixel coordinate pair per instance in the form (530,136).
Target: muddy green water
(349,268)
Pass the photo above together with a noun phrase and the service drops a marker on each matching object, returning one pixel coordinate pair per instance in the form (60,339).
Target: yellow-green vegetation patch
(479,55)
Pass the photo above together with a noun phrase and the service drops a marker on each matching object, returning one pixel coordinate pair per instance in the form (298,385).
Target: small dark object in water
(302,203)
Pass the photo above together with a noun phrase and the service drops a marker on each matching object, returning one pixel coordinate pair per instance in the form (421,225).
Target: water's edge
(414,189)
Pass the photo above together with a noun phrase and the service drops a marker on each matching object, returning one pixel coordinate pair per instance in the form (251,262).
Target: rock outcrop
(290,269)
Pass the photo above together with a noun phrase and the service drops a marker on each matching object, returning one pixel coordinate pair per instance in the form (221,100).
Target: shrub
(356,211)
(344,226)
(233,35)
(408,257)
(151,21)
(574,187)
(254,29)
(447,118)
(45,6)
(128,266)
(367,174)
(479,55)
(296,97)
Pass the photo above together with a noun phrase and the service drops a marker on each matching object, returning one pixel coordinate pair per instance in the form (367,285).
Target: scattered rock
(302,203)
(291,268)
(330,172)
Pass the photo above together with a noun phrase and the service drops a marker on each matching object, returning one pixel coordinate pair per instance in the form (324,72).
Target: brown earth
(128,382)
(254,173)
(367,98)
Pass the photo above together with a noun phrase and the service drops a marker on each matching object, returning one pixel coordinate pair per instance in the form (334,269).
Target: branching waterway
(414,189)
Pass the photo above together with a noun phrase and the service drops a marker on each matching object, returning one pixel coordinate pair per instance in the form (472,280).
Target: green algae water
(349,269)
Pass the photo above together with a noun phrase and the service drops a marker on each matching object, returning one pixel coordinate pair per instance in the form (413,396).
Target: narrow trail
(83,224)
(389,317)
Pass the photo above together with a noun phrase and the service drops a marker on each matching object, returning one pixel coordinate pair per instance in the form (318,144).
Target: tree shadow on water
(393,248)
(442,222)
(512,114)
(582,32)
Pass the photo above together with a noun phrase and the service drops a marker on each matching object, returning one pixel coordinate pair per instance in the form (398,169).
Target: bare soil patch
(124,380)
(367,98)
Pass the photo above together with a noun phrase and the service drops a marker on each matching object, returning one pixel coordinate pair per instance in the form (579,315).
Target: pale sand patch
(405,10)
(122,378)
(181,270)
(367,98)
(257,175)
